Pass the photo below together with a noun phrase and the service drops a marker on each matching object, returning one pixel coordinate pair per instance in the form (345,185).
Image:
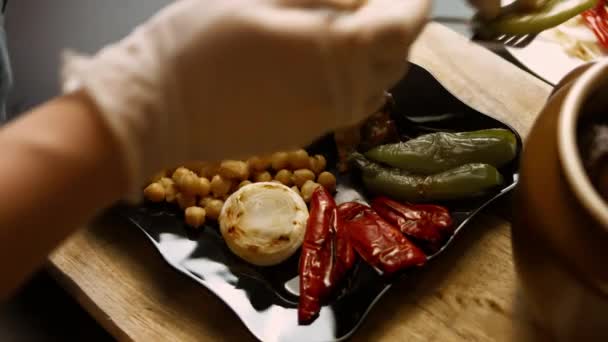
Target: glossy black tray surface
(263,297)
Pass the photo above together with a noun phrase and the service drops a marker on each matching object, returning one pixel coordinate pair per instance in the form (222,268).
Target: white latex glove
(216,79)
(490,8)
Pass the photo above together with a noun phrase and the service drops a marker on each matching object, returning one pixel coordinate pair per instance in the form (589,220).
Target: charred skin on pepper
(422,221)
(377,242)
(427,224)
(326,256)
(466,181)
(345,254)
(437,152)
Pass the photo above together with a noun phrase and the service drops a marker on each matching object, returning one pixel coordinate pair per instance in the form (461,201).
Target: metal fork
(498,41)
(509,40)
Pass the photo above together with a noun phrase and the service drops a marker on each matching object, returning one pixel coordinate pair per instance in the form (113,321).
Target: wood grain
(479,78)
(469,294)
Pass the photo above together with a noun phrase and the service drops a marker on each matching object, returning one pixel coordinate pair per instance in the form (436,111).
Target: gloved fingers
(368,51)
(375,103)
(383,31)
(336,4)
(385,75)
(386,26)
(371,105)
(386,78)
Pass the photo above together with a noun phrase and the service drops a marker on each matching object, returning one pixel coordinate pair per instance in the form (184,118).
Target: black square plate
(261,296)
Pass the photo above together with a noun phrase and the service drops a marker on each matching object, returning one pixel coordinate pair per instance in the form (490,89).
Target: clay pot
(560,231)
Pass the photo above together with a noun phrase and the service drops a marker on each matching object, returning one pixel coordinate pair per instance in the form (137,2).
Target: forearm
(59,166)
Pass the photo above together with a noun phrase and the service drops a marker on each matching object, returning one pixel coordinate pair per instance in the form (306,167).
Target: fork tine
(508,40)
(511,40)
(525,40)
(520,40)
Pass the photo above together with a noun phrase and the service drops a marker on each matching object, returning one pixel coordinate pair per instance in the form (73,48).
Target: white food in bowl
(264,223)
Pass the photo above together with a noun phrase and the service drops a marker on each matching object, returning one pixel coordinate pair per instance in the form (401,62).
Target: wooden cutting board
(469,294)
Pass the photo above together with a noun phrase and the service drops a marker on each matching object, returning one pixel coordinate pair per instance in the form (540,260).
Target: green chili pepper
(437,152)
(514,21)
(469,180)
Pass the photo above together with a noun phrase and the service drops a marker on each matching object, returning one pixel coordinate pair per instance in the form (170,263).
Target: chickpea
(170,189)
(185,200)
(179,173)
(262,177)
(214,208)
(187,183)
(284,177)
(307,189)
(279,160)
(327,180)
(166,182)
(220,186)
(234,169)
(301,176)
(195,216)
(155,192)
(298,160)
(170,193)
(259,164)
(202,187)
(318,164)
(244,183)
(205,200)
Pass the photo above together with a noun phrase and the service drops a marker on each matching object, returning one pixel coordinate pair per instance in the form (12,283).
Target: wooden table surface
(469,294)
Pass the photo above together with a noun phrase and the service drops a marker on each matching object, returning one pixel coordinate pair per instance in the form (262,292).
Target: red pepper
(377,242)
(350,210)
(424,222)
(597,20)
(326,255)
(345,254)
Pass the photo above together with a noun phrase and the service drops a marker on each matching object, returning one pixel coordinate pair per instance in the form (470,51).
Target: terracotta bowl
(560,232)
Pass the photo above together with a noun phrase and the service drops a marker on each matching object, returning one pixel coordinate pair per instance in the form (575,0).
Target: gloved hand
(490,8)
(216,79)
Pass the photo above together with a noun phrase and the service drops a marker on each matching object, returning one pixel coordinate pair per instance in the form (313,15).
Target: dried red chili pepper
(377,242)
(326,255)
(424,222)
(349,210)
(345,254)
(597,20)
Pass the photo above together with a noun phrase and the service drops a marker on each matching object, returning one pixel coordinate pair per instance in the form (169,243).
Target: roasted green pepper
(513,20)
(437,152)
(469,180)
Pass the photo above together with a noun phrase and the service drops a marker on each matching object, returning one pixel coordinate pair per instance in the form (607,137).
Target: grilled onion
(264,223)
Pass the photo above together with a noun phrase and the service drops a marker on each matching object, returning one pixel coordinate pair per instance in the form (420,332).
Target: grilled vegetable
(377,242)
(465,181)
(326,255)
(437,152)
(597,20)
(264,223)
(513,20)
(422,221)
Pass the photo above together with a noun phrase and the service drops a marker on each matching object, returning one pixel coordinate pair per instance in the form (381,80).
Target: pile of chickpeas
(200,189)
